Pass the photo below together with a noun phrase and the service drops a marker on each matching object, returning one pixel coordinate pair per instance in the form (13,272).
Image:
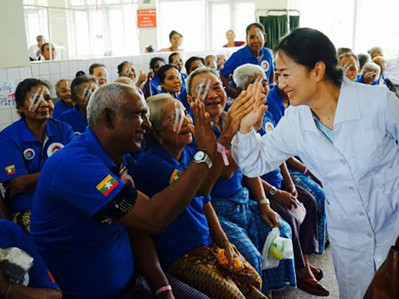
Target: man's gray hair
(199,71)
(244,72)
(108,96)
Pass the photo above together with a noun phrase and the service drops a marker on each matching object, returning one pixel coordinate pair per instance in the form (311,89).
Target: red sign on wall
(146,18)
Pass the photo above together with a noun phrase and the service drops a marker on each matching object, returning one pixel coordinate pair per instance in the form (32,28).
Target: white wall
(13,43)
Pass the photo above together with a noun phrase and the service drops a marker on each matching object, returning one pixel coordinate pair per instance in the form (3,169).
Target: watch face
(272,191)
(199,156)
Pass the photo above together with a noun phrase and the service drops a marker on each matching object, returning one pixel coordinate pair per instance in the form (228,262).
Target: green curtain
(276,27)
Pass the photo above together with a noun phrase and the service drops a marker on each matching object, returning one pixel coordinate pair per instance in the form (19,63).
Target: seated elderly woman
(374,52)
(99,71)
(63,91)
(193,247)
(152,86)
(127,69)
(81,89)
(349,64)
(369,73)
(285,196)
(176,40)
(26,144)
(39,282)
(246,220)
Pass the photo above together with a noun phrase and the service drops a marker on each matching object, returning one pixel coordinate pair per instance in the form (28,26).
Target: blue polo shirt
(88,259)
(59,108)
(156,170)
(273,177)
(13,236)
(243,56)
(275,104)
(75,119)
(21,153)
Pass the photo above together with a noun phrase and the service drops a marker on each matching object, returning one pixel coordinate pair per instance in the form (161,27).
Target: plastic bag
(275,249)
(299,212)
(16,263)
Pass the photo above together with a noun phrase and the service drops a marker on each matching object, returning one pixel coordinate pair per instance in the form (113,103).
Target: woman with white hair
(369,73)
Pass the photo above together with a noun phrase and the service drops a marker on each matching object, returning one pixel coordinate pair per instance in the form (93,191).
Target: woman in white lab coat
(347,134)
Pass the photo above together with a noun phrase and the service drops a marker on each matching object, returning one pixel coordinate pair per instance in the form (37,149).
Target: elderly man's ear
(109,118)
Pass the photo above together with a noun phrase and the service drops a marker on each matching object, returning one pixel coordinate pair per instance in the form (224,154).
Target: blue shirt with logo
(21,153)
(156,170)
(243,56)
(87,258)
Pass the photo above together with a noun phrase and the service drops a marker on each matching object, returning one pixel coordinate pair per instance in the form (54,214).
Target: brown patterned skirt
(201,269)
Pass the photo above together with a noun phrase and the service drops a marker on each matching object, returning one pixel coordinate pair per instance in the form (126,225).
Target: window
(84,28)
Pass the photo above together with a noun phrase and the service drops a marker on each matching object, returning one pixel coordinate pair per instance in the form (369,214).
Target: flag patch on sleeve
(107,185)
(10,170)
(174,176)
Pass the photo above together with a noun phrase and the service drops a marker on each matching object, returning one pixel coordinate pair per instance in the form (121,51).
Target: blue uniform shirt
(275,104)
(13,236)
(59,108)
(156,170)
(243,56)
(87,258)
(75,119)
(21,153)
(273,177)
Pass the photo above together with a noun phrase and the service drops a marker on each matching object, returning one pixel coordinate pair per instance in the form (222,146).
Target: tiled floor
(329,281)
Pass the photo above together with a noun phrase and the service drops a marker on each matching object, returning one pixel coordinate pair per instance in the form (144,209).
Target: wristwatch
(202,157)
(272,191)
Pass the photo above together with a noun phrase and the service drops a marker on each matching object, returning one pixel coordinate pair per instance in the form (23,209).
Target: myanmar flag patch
(175,175)
(10,170)
(107,185)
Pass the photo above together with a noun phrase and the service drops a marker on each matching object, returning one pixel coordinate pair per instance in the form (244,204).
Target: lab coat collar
(347,108)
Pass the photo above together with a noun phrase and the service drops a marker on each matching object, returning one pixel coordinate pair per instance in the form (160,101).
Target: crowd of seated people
(143,196)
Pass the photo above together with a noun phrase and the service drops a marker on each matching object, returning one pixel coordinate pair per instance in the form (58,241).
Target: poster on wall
(146,18)
(7,94)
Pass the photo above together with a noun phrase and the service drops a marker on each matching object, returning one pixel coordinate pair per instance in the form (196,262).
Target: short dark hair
(307,46)
(154,60)
(173,32)
(259,25)
(162,71)
(189,61)
(45,44)
(121,65)
(95,65)
(170,58)
(24,87)
(78,81)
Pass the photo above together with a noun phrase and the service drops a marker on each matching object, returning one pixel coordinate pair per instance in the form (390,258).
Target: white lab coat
(359,172)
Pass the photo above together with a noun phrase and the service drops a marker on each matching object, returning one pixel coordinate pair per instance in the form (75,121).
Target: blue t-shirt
(88,259)
(156,170)
(21,153)
(243,56)
(275,104)
(13,236)
(226,188)
(155,85)
(75,119)
(59,108)
(273,177)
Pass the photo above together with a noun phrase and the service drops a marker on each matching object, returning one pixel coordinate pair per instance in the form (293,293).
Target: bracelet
(222,150)
(163,289)
(264,201)
(8,290)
